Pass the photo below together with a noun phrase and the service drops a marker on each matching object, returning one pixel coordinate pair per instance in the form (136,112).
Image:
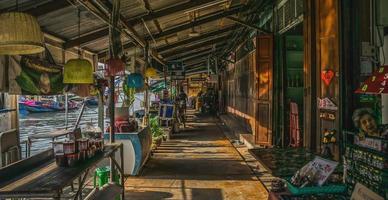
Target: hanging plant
(129,94)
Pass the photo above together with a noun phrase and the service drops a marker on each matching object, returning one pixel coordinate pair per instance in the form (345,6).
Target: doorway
(292,61)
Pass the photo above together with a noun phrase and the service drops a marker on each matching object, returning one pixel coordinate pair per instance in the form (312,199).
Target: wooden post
(66,111)
(122,168)
(146,94)
(112,122)
(101,110)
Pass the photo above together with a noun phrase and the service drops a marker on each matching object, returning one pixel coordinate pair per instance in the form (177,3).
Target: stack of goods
(71,152)
(312,178)
(125,126)
(367,163)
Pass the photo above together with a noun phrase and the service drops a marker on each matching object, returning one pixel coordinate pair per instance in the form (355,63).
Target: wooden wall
(249,88)
(328,58)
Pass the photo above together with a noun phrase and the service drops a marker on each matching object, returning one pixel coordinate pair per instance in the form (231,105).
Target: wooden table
(48,180)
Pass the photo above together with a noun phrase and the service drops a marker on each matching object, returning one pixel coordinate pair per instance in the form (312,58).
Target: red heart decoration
(327,76)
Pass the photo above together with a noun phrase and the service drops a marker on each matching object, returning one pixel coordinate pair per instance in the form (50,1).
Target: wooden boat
(45,106)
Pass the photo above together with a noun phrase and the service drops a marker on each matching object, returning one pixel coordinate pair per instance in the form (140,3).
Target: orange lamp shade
(114,67)
(78,71)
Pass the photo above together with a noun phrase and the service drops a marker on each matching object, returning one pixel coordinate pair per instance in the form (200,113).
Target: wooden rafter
(167,11)
(43,9)
(196,46)
(220,32)
(206,19)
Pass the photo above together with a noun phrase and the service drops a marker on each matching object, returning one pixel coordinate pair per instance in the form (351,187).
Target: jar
(71,159)
(89,153)
(58,148)
(82,144)
(82,155)
(99,145)
(60,159)
(69,147)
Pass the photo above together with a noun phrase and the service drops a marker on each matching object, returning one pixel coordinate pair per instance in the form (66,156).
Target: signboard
(327,115)
(175,66)
(377,83)
(361,192)
(371,143)
(197,79)
(322,167)
(327,104)
(177,75)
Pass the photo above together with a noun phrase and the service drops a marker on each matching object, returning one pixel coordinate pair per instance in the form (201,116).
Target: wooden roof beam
(251,26)
(220,32)
(202,20)
(191,53)
(200,56)
(196,46)
(208,18)
(167,11)
(42,9)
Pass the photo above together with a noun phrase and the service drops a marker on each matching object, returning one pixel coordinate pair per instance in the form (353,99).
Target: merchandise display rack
(366,166)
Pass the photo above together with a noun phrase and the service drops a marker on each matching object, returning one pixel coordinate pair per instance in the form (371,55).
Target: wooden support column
(310,108)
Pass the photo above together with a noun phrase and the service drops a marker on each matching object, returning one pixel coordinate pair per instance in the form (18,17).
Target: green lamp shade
(20,34)
(78,71)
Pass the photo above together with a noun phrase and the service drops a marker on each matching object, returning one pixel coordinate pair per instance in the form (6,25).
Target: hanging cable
(79,32)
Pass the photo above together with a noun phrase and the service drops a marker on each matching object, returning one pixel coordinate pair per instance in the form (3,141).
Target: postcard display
(367,164)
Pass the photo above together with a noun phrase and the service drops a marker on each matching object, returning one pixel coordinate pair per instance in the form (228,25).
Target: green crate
(314,190)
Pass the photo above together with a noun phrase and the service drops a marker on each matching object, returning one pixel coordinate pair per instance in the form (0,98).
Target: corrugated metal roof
(63,21)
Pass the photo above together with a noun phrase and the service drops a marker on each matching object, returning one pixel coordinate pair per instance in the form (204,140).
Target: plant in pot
(157,132)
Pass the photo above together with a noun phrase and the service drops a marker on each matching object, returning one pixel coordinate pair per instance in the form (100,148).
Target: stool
(101,175)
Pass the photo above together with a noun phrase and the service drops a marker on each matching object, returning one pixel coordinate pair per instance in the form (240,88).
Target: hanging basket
(78,71)
(20,34)
(114,67)
(135,80)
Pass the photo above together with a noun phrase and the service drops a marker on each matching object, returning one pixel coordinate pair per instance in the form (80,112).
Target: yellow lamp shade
(78,71)
(20,34)
(151,72)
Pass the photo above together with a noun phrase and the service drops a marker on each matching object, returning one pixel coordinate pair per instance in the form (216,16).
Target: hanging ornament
(78,71)
(135,80)
(114,67)
(327,76)
(151,72)
(20,34)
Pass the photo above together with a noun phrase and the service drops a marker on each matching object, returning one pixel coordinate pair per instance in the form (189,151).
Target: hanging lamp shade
(20,34)
(114,67)
(78,71)
(135,80)
(151,72)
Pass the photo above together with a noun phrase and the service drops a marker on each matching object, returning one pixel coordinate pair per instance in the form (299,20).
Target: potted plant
(157,131)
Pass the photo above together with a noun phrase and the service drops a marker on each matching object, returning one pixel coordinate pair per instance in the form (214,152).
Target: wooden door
(264,71)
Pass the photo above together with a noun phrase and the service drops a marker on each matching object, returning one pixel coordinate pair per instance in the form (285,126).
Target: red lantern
(114,67)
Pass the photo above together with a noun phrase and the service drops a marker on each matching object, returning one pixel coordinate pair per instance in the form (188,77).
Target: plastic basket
(326,189)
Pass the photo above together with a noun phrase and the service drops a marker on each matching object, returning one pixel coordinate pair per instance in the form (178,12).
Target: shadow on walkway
(198,163)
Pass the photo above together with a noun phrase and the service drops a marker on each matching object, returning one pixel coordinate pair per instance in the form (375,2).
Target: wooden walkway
(198,163)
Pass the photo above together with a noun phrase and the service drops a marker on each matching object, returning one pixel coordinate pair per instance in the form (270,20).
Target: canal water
(37,123)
